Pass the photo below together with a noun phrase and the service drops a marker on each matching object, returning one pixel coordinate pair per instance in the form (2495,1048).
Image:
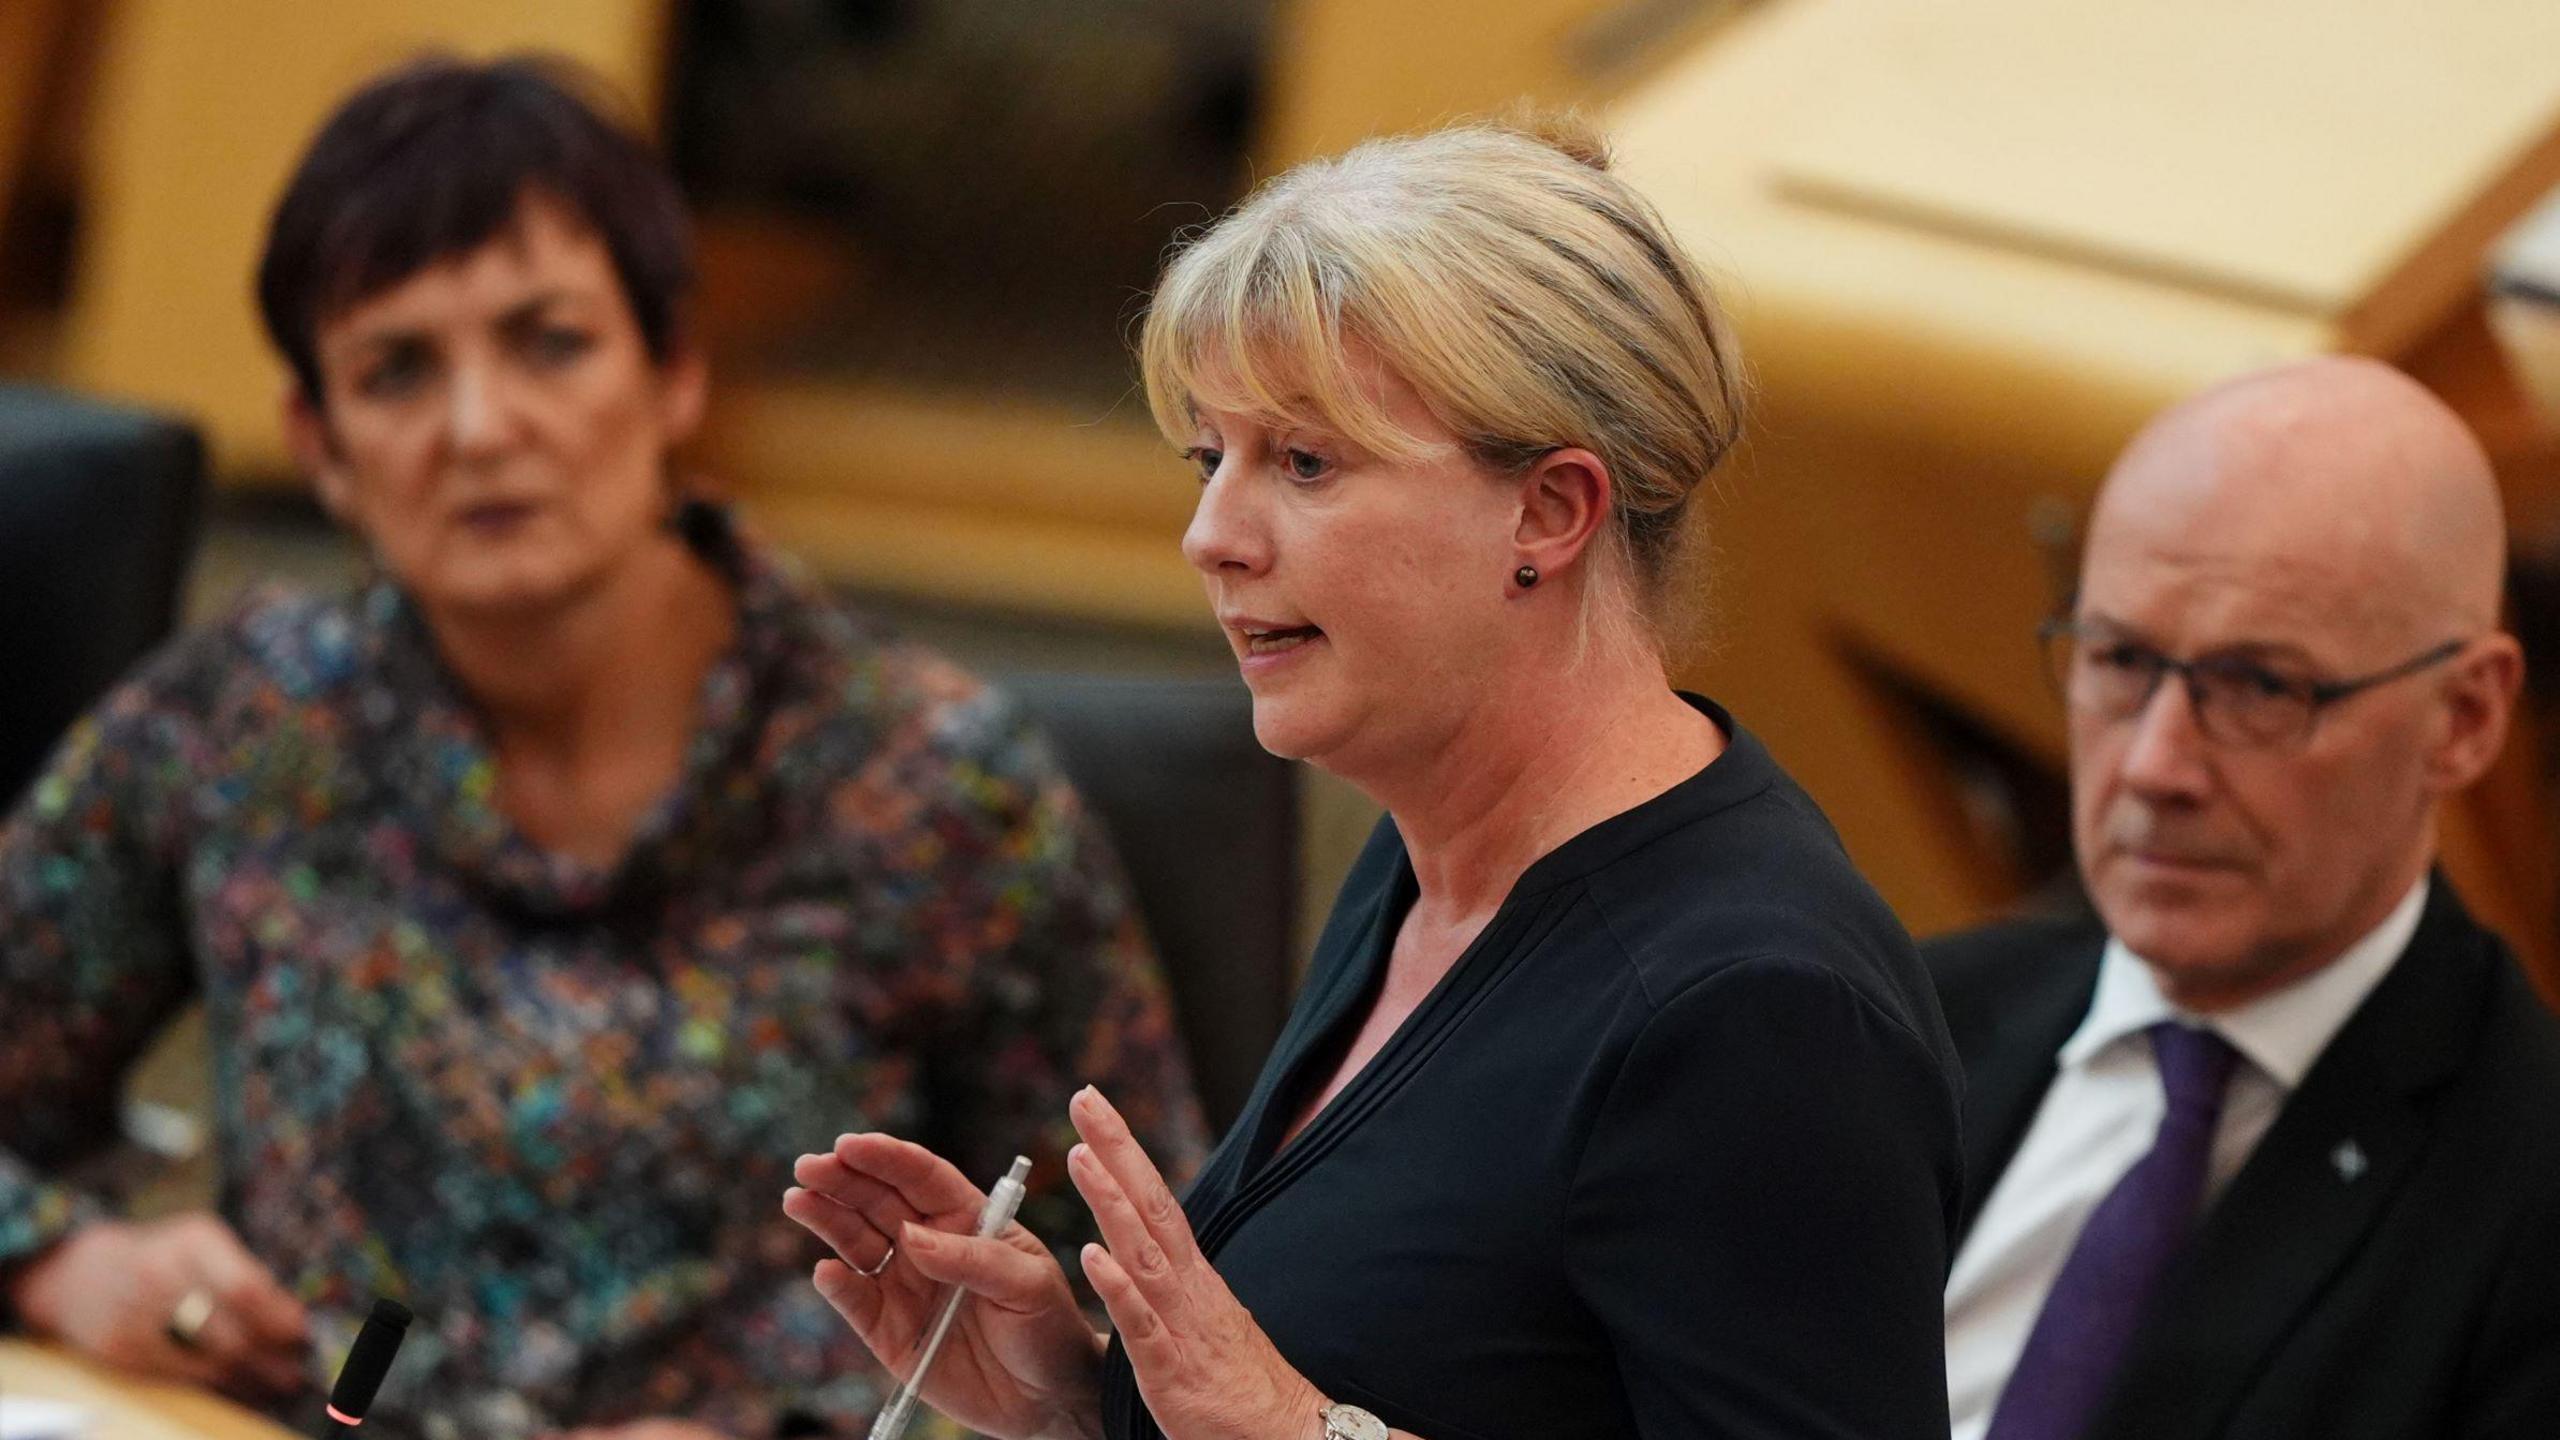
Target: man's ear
(315,453)
(1565,498)
(2479,696)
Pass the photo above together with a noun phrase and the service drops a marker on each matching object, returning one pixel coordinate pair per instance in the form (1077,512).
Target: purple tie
(2088,1320)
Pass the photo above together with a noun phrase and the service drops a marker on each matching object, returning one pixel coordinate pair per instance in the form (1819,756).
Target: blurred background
(1971,246)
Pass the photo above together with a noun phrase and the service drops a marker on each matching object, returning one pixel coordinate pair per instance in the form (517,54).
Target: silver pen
(1001,1203)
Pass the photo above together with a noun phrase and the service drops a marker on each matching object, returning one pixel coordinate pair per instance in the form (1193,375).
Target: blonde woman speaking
(1616,1102)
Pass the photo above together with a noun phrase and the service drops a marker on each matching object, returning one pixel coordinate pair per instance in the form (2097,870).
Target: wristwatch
(1350,1422)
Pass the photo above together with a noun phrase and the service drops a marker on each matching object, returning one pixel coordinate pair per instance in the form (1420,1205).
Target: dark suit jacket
(2416,1295)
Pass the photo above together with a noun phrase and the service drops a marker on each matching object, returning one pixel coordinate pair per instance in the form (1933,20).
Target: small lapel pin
(2349,1158)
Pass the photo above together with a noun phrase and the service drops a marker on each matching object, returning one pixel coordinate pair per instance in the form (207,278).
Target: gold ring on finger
(187,1318)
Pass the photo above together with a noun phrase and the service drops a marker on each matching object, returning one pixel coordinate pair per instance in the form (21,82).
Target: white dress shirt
(2101,1116)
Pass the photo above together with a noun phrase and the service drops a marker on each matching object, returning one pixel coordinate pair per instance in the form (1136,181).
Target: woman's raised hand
(1021,1363)
(1207,1371)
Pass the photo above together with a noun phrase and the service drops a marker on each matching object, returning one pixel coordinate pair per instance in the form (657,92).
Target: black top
(1671,1150)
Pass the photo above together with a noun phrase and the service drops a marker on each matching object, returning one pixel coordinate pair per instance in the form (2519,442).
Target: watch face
(1350,1422)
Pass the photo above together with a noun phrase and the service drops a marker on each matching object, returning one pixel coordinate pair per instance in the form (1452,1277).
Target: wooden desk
(123,1408)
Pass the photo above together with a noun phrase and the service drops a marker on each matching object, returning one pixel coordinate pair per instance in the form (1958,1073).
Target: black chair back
(1206,823)
(98,513)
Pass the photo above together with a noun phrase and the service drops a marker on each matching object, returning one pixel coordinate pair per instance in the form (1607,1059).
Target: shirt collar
(435,748)
(2282,1033)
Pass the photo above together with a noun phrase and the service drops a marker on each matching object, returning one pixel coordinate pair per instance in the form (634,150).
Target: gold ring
(187,1318)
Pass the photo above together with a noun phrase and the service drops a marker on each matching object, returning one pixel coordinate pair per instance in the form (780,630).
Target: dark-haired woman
(544,892)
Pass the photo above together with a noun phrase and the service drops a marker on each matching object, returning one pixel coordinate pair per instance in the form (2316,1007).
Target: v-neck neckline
(1345,1010)
(1271,1158)
(1270,1162)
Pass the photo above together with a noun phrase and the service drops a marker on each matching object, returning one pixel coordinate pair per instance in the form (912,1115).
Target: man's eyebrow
(2264,650)
(2102,621)
(2245,649)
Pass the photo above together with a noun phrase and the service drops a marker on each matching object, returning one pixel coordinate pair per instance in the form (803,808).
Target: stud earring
(1526,576)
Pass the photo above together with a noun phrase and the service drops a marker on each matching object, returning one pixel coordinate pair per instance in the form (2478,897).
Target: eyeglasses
(2236,700)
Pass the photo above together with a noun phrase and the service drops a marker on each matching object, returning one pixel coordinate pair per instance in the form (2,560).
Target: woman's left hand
(1206,1370)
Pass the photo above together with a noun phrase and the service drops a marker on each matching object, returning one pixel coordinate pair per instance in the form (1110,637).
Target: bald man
(2272,1149)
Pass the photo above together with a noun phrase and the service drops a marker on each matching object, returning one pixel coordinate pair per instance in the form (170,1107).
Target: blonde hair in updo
(1532,299)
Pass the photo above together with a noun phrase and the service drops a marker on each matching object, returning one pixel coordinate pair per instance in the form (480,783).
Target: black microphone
(368,1360)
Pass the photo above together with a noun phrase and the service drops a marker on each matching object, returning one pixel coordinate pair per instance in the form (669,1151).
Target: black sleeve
(1758,1217)
(2512,1390)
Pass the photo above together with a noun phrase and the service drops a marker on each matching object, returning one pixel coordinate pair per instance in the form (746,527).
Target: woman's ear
(1565,498)
(315,453)
(684,383)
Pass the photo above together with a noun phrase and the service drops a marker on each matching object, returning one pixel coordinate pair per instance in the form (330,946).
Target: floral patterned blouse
(551,1107)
